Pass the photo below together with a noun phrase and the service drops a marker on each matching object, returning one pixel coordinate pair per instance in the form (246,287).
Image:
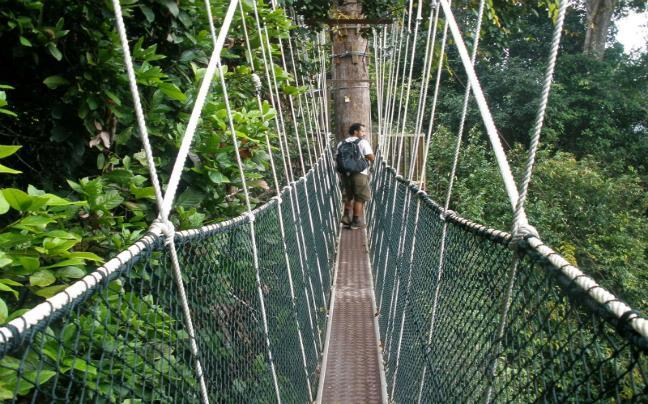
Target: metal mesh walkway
(352,373)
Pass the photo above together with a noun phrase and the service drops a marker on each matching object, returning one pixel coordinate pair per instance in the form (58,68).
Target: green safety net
(123,339)
(557,343)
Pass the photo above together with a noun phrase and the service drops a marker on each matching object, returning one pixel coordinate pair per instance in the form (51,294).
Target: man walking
(353,156)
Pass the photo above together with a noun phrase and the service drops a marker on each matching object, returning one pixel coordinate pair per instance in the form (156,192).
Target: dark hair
(354,127)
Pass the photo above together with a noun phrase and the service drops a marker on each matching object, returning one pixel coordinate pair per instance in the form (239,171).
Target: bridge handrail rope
(523,235)
(163,226)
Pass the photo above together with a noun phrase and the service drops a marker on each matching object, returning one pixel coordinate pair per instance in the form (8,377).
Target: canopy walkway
(268,307)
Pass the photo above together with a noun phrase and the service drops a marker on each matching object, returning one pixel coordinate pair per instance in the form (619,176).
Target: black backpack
(349,159)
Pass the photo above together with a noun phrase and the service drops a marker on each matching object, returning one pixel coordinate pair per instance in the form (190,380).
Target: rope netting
(123,338)
(467,313)
(231,312)
(560,342)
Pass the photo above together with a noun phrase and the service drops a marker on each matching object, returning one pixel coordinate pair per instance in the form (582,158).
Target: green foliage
(595,219)
(91,195)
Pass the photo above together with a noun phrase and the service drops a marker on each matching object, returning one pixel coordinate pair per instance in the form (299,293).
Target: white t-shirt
(363,145)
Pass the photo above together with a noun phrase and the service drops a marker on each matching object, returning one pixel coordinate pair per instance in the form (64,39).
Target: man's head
(357,129)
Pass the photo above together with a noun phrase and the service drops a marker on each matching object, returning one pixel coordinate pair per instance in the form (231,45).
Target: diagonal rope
(500,155)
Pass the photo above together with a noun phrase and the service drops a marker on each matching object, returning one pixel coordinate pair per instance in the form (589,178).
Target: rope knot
(165,227)
(250,216)
(446,213)
(278,198)
(521,232)
(256,80)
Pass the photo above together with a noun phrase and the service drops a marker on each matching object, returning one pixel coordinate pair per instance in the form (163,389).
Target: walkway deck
(352,372)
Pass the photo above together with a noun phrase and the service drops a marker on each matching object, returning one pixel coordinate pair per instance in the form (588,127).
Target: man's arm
(370,157)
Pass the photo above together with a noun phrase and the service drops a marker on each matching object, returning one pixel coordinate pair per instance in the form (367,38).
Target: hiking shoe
(357,224)
(346,220)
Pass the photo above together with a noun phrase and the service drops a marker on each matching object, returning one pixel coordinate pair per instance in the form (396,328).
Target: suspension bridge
(282,305)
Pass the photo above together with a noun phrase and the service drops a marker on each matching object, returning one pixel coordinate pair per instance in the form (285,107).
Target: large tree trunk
(599,17)
(350,71)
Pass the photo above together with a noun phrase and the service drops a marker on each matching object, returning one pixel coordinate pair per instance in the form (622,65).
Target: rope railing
(567,338)
(118,333)
(220,313)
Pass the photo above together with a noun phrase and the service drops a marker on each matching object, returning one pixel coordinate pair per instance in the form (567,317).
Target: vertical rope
(281,222)
(519,216)
(519,222)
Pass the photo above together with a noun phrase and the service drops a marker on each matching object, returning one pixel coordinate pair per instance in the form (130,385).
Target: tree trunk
(350,72)
(599,17)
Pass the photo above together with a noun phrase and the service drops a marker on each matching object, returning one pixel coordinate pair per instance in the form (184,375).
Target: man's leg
(362,194)
(348,210)
(347,193)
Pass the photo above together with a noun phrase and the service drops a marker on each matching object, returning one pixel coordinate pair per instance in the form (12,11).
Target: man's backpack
(349,159)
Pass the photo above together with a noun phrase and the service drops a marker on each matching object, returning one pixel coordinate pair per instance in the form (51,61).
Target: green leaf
(4,205)
(4,311)
(31,264)
(109,200)
(6,151)
(50,291)
(142,193)
(71,273)
(58,245)
(33,378)
(54,51)
(33,191)
(190,198)
(4,259)
(80,365)
(53,82)
(17,199)
(4,287)
(172,6)
(68,332)
(113,97)
(38,222)
(7,112)
(25,42)
(42,278)
(217,177)
(85,255)
(148,13)
(64,235)
(173,92)
(68,262)
(76,187)
(6,170)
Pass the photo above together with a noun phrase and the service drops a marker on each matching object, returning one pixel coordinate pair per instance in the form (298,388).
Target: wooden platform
(351,368)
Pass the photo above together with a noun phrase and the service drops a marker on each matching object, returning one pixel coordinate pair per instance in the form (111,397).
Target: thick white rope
(201,97)
(500,155)
(163,223)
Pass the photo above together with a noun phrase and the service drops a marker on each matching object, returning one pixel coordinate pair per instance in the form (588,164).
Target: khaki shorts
(355,187)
